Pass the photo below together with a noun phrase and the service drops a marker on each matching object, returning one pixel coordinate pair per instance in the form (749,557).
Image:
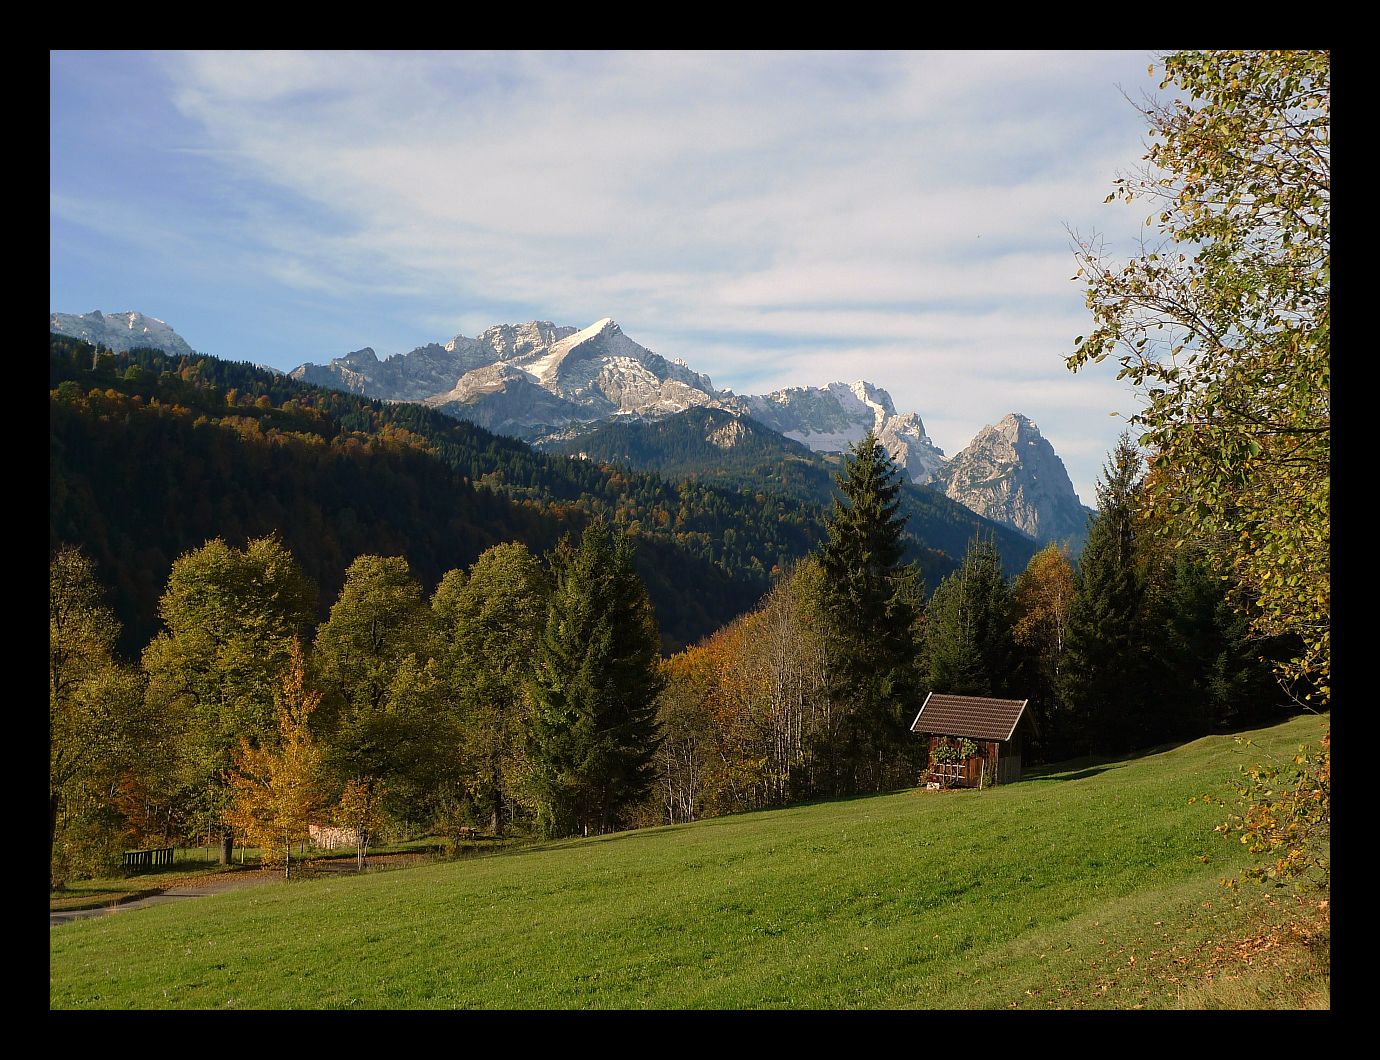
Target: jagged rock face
(905,439)
(1011,474)
(832,418)
(526,379)
(353,372)
(727,436)
(509,342)
(120,331)
(543,383)
(505,401)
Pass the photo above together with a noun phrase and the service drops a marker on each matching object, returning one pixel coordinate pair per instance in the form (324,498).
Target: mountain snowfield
(832,418)
(545,383)
(120,331)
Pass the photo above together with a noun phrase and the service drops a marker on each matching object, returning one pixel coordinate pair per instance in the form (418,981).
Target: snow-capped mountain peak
(539,381)
(120,331)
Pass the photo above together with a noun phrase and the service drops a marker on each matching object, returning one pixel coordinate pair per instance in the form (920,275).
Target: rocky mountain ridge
(1011,474)
(120,331)
(545,383)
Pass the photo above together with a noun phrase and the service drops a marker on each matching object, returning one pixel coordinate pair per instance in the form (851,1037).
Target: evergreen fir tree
(872,601)
(1207,657)
(1104,680)
(593,732)
(969,645)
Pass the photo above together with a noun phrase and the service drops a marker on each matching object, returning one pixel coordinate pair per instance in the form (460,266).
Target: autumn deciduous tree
(683,757)
(488,624)
(230,617)
(96,721)
(786,650)
(277,789)
(382,689)
(1282,812)
(746,716)
(1224,325)
(361,809)
(378,619)
(1044,593)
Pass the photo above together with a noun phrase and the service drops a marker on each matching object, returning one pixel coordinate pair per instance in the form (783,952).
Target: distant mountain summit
(831,418)
(530,380)
(1012,475)
(120,331)
(742,454)
(547,384)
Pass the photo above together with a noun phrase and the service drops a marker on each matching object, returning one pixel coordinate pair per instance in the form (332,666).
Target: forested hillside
(152,455)
(718,447)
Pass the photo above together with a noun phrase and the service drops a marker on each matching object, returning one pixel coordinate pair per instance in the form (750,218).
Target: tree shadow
(1055,778)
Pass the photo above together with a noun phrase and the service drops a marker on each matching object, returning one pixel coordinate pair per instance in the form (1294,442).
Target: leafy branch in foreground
(1225,325)
(1285,814)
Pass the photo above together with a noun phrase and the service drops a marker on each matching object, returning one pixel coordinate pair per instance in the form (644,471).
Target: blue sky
(774,219)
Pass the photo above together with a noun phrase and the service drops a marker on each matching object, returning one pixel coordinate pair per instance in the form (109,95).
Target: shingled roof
(976,717)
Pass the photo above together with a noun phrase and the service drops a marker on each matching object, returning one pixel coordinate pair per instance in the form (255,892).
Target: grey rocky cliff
(120,331)
(528,379)
(1011,474)
(543,383)
(831,418)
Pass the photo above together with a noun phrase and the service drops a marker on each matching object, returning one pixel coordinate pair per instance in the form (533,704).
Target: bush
(1285,815)
(87,846)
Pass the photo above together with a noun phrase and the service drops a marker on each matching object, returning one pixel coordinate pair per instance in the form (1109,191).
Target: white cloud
(778,218)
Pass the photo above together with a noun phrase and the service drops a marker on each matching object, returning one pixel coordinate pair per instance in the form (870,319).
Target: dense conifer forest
(759,460)
(152,455)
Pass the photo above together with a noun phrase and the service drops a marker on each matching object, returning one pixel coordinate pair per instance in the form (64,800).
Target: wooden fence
(137,860)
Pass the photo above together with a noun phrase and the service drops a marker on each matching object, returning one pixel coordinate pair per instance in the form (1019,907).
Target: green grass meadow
(1094,884)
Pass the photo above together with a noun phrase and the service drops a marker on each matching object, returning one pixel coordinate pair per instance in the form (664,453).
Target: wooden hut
(995,726)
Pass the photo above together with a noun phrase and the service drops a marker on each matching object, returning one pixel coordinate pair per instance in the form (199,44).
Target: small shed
(995,726)
(329,837)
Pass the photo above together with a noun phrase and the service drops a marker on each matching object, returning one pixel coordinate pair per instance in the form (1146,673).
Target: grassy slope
(1031,895)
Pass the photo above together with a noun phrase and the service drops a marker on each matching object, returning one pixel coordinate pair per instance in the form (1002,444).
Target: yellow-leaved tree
(1224,325)
(276,791)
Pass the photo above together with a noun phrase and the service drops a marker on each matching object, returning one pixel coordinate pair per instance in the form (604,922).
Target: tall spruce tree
(872,601)
(1206,652)
(968,636)
(1104,683)
(592,733)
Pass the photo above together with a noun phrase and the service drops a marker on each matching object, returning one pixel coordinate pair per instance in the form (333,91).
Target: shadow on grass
(1056,778)
(1092,765)
(79,901)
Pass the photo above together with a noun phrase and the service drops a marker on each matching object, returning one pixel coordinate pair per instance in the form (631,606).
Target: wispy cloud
(772,217)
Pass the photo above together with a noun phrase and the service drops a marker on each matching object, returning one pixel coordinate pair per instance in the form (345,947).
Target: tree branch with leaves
(1224,325)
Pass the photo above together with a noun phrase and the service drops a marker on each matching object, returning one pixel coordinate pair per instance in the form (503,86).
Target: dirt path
(188,887)
(219,882)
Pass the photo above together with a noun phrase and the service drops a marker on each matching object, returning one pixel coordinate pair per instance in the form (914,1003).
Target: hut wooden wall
(989,761)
